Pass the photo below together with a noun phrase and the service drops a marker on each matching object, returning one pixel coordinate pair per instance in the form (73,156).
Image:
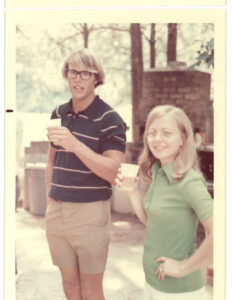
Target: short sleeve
(54,116)
(113,133)
(198,197)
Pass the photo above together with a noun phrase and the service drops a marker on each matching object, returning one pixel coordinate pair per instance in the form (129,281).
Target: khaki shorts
(79,234)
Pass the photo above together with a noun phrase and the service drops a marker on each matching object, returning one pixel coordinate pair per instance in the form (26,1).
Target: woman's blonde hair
(187,156)
(89,60)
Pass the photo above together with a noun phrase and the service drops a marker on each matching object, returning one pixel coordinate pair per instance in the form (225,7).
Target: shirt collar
(90,111)
(167,170)
(68,109)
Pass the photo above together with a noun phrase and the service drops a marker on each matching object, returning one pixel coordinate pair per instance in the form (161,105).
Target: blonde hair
(89,60)
(187,156)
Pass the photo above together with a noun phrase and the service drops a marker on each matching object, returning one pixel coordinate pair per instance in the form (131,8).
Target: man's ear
(95,81)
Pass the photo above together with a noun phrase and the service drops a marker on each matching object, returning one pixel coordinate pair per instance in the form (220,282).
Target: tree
(172,38)
(152,46)
(151,41)
(205,55)
(136,69)
(41,50)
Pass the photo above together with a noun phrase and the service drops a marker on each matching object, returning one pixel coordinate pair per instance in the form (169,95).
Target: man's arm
(49,167)
(104,165)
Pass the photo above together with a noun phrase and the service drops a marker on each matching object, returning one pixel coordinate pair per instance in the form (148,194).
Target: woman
(176,200)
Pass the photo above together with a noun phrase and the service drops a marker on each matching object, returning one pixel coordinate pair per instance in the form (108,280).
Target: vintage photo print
(150,57)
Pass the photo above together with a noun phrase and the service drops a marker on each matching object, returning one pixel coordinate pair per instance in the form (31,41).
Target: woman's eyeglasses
(164,134)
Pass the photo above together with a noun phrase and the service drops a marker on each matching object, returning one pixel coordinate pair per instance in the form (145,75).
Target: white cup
(129,172)
(51,123)
(54,122)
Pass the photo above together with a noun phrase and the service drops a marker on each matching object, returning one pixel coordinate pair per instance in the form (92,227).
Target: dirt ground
(38,279)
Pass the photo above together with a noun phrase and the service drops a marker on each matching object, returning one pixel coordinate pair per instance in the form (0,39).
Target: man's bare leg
(71,282)
(92,286)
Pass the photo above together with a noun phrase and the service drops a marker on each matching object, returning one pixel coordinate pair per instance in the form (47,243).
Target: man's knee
(91,287)
(70,287)
(88,294)
(71,282)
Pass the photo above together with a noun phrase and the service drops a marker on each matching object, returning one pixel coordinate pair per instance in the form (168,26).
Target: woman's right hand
(126,184)
(129,186)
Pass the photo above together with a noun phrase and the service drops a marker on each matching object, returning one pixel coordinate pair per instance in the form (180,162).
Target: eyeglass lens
(83,74)
(162,133)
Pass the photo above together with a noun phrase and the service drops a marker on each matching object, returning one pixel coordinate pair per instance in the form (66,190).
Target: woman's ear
(183,139)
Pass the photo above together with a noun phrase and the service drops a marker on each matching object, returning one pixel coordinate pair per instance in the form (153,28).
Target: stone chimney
(188,89)
(175,85)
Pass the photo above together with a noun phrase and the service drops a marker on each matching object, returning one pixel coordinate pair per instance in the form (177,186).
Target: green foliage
(42,48)
(41,51)
(205,55)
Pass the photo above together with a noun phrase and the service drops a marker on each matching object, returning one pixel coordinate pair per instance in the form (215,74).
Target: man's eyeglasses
(72,74)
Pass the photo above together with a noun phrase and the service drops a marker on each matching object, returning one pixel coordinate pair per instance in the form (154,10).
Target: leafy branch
(205,55)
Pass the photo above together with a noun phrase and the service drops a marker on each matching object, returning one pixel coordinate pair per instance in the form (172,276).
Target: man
(84,156)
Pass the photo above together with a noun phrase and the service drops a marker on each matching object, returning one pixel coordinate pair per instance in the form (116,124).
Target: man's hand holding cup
(53,126)
(62,136)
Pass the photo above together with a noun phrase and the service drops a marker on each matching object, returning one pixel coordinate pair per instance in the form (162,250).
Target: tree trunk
(152,46)
(136,73)
(85,35)
(171,47)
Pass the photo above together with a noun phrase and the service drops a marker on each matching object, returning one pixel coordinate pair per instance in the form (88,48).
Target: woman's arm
(204,254)
(202,257)
(135,194)
(136,199)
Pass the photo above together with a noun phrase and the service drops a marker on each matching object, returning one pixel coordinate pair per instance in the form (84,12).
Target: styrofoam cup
(129,173)
(129,170)
(54,122)
(51,123)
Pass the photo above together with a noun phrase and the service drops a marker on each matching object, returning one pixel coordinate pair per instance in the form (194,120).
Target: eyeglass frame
(152,134)
(79,73)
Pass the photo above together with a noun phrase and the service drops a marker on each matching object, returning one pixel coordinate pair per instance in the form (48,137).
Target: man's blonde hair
(89,60)
(187,156)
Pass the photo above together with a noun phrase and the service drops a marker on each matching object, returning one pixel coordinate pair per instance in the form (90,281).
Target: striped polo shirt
(100,128)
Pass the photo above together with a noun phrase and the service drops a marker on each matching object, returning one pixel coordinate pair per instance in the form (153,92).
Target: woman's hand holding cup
(127,177)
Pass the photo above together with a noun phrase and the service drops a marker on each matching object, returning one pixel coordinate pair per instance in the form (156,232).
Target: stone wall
(188,89)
